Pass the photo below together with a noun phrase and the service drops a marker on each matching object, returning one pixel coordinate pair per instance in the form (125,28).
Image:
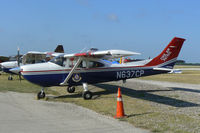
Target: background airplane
(91,68)
(30,57)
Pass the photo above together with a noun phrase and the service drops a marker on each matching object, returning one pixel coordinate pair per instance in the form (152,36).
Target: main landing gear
(41,94)
(86,93)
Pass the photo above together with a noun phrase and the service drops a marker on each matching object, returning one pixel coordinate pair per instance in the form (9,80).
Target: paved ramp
(20,113)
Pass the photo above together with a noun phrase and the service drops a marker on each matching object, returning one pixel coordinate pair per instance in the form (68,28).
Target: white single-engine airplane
(30,57)
(91,68)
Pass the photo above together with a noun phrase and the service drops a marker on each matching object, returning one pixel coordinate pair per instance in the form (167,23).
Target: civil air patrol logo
(76,77)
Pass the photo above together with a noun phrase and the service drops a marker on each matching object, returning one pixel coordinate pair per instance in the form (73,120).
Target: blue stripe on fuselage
(47,80)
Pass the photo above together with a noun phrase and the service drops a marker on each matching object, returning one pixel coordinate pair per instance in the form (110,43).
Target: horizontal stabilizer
(162,69)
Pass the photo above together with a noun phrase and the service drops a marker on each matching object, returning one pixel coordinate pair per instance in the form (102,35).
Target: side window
(83,64)
(58,60)
(66,62)
(69,62)
(94,64)
(72,62)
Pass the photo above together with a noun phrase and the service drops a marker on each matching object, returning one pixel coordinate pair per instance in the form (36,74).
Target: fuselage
(51,74)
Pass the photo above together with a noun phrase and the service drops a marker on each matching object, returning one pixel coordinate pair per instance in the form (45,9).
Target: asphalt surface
(21,113)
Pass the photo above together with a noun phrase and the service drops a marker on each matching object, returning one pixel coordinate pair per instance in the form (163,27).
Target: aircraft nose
(16,70)
(1,65)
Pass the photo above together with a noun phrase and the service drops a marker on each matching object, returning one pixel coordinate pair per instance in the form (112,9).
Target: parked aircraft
(30,57)
(89,68)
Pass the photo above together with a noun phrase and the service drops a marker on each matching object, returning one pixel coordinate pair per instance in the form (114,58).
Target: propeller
(18,63)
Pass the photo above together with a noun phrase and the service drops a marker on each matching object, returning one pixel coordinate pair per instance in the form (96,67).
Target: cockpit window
(83,64)
(95,64)
(58,60)
(70,62)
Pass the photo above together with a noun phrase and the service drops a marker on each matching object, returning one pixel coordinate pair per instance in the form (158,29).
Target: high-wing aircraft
(90,68)
(30,57)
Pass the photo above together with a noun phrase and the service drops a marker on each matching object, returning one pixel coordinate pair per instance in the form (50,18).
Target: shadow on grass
(133,115)
(145,95)
(184,89)
(140,94)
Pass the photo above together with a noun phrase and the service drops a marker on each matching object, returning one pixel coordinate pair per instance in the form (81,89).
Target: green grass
(186,66)
(191,77)
(17,86)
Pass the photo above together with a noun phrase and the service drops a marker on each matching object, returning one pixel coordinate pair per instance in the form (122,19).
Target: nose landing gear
(41,94)
(71,89)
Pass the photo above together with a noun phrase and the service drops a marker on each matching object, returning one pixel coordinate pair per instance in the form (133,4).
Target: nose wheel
(71,89)
(41,94)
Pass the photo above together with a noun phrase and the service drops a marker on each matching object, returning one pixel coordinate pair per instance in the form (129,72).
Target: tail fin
(59,49)
(169,55)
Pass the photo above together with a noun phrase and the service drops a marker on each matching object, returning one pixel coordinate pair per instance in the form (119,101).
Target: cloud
(113,17)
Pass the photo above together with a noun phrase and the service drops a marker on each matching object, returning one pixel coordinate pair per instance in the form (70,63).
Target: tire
(71,89)
(10,78)
(41,95)
(87,95)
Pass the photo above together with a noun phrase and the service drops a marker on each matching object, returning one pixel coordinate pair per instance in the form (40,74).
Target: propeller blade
(20,76)
(18,62)
(18,57)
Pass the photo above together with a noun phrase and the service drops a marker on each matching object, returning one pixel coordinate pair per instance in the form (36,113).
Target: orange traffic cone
(120,108)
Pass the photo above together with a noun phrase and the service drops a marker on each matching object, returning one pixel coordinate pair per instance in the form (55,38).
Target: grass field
(186,66)
(17,86)
(191,77)
(143,109)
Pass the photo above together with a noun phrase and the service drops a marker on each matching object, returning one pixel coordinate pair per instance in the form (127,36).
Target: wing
(35,52)
(107,54)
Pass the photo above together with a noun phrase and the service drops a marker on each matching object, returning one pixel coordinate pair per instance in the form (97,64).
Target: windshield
(58,60)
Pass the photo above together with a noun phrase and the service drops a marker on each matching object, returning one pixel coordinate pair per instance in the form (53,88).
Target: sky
(144,26)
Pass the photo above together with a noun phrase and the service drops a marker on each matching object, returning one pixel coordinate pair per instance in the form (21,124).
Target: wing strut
(71,72)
